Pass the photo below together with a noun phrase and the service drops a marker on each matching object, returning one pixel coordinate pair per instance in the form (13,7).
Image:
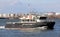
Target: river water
(38,33)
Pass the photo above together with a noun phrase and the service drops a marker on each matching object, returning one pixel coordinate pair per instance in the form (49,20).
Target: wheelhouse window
(28,20)
(43,18)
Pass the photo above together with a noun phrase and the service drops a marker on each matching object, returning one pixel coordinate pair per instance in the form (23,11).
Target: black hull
(50,25)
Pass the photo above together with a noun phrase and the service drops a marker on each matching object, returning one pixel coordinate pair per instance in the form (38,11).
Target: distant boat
(32,21)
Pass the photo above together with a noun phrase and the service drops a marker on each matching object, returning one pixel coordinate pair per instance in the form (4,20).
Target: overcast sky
(16,6)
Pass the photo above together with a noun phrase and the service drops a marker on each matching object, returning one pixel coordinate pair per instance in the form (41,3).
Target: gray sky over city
(17,6)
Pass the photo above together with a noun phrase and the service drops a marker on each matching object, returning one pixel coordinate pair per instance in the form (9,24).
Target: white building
(57,13)
(11,15)
(50,13)
(0,15)
(4,15)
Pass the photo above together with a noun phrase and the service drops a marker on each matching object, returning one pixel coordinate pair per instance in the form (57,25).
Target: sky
(25,6)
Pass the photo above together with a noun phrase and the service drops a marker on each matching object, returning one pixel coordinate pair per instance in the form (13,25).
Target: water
(19,33)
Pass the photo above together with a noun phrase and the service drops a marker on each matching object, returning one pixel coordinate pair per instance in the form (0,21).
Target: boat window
(33,20)
(22,20)
(30,20)
(42,17)
(27,20)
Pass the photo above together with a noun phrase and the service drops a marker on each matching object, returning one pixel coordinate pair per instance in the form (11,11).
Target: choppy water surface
(38,33)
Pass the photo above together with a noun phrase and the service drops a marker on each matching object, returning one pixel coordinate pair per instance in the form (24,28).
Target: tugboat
(31,21)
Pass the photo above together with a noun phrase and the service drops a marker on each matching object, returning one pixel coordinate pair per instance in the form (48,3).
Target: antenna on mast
(30,8)
(29,5)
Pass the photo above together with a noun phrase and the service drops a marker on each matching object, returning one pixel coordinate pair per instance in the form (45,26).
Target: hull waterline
(49,25)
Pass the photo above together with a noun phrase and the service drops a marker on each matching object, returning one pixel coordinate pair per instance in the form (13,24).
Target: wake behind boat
(32,21)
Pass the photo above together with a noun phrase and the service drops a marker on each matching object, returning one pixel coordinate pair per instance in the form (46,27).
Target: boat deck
(21,22)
